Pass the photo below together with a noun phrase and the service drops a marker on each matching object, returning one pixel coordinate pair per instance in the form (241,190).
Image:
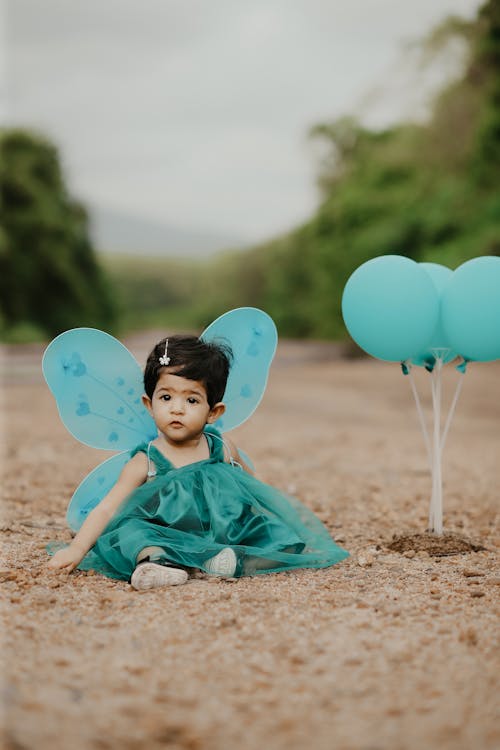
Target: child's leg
(150,552)
(153,569)
(223,564)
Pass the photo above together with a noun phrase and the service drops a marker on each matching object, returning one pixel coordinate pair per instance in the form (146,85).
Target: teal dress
(194,511)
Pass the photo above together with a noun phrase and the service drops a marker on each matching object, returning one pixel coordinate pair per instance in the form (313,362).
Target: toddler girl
(187,500)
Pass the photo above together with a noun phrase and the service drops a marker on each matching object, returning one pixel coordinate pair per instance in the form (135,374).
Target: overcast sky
(196,112)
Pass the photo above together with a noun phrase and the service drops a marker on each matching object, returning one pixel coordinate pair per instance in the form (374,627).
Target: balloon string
(452,410)
(436,504)
(421,417)
(433,476)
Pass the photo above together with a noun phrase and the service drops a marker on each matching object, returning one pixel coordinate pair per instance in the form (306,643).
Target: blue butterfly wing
(253,338)
(92,489)
(98,385)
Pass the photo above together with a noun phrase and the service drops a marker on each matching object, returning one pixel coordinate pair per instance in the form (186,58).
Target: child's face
(180,408)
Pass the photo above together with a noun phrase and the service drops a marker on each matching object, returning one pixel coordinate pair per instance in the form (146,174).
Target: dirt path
(382,652)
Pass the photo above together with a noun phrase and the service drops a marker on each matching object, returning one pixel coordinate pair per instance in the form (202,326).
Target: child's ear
(147,403)
(215,412)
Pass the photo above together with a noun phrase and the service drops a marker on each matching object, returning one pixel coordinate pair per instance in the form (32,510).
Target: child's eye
(192,400)
(165,397)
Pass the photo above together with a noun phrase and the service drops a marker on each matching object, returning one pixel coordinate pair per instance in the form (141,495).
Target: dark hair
(194,359)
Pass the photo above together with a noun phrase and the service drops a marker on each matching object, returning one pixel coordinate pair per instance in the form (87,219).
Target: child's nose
(177,406)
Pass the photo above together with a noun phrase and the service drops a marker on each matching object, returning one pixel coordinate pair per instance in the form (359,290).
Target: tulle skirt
(193,512)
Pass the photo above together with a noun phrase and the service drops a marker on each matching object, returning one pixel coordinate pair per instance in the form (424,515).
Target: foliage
(49,276)
(486,70)
(429,192)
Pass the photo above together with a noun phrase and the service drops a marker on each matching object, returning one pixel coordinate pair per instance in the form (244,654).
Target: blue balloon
(471,309)
(438,345)
(390,307)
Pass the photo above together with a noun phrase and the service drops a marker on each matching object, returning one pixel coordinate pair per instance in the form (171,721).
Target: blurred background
(164,161)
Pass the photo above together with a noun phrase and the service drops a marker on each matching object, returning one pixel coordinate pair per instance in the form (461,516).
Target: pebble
(8,575)
(365,560)
(470,573)
(469,636)
(227,622)
(43,597)
(135,669)
(353,661)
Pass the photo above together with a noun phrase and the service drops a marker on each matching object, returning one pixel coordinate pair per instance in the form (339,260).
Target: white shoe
(222,564)
(150,575)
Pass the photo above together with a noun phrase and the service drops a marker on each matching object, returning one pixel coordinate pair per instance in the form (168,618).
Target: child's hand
(67,558)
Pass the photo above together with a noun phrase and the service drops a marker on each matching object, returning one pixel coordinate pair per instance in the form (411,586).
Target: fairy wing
(97,385)
(93,488)
(253,338)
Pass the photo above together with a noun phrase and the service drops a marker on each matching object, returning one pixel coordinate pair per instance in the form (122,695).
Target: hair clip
(164,360)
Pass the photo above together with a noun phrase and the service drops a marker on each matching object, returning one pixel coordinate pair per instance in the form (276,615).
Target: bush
(49,275)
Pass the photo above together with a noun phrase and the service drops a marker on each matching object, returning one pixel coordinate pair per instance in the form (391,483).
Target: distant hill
(115,232)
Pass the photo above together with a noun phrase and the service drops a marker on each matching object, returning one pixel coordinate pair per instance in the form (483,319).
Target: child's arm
(235,455)
(132,476)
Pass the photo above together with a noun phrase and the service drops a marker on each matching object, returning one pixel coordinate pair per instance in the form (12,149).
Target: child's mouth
(176,424)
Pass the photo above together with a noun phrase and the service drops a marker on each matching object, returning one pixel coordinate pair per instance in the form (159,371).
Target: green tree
(487,69)
(49,274)
(427,191)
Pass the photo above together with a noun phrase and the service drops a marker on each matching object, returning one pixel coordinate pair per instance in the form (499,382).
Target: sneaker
(150,575)
(222,564)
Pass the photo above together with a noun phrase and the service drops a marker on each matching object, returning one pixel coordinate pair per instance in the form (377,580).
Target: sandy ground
(384,651)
